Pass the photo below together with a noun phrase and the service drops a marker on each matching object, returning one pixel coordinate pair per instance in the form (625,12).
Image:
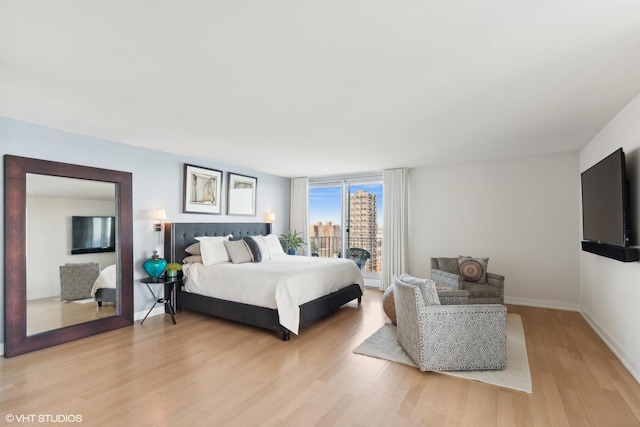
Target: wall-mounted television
(92,234)
(605,202)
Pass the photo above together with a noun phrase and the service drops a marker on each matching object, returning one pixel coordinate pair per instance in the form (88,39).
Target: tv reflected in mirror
(93,234)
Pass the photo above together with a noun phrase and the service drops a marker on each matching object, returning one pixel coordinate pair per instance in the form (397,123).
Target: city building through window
(346,218)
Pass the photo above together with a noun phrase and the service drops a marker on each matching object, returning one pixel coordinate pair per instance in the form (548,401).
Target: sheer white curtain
(299,216)
(394,231)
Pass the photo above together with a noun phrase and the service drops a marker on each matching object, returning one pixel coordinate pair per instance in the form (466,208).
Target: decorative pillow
(427,287)
(253,247)
(262,245)
(193,249)
(192,259)
(473,269)
(450,265)
(273,243)
(238,251)
(213,249)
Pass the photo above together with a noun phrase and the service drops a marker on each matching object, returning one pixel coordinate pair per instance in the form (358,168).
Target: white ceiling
(69,188)
(306,88)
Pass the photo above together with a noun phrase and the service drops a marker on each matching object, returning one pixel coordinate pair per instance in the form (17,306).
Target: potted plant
(172,270)
(292,241)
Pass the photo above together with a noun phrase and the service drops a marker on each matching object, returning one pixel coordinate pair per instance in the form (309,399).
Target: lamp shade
(161,214)
(270,217)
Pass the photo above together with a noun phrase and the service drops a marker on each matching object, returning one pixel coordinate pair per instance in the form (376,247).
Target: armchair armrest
(496,281)
(454,281)
(480,329)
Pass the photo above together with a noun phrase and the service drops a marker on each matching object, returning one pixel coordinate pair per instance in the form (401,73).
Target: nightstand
(169,286)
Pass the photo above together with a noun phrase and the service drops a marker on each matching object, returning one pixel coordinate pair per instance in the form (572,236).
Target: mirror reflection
(71,251)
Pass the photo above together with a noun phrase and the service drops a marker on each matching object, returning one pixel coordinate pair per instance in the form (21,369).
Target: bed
(179,236)
(104,287)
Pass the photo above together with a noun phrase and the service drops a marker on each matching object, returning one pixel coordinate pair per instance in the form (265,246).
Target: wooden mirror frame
(16,340)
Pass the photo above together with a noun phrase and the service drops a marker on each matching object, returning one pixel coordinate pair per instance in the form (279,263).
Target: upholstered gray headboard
(179,235)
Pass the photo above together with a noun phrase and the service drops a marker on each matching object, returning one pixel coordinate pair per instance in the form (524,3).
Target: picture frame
(202,190)
(242,192)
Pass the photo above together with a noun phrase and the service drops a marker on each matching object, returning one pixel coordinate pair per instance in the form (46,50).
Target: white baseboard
(1,349)
(540,303)
(155,312)
(624,358)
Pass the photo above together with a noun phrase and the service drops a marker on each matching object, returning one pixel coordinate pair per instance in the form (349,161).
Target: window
(345,213)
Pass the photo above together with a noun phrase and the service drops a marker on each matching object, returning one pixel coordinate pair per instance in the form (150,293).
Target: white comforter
(106,279)
(283,283)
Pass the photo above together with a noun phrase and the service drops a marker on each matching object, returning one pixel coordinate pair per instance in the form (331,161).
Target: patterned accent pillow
(473,269)
(238,251)
(427,287)
(450,265)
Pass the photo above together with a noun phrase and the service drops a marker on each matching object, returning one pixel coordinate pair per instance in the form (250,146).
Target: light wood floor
(45,314)
(205,371)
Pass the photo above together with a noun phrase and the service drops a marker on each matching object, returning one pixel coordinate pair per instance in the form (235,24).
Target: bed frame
(177,236)
(105,295)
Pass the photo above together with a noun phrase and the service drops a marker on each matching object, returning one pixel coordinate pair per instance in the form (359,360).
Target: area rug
(78,301)
(383,345)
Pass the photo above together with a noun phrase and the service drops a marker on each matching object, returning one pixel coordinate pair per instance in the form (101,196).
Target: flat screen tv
(605,201)
(91,234)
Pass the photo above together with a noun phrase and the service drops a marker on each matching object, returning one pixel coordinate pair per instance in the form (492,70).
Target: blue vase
(155,266)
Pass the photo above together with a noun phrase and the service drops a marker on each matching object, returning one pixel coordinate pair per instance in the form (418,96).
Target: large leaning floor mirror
(68,252)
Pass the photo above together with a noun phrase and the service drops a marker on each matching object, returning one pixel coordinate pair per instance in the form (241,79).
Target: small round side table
(169,285)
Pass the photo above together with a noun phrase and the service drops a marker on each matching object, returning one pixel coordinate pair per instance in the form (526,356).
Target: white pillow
(213,249)
(273,243)
(262,246)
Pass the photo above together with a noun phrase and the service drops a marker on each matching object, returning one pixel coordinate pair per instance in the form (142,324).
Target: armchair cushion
(427,287)
(478,290)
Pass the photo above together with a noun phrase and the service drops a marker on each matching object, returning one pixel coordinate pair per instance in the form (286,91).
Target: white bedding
(283,283)
(106,279)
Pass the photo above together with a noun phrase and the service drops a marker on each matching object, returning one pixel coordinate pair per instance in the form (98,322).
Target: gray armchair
(445,271)
(76,280)
(449,337)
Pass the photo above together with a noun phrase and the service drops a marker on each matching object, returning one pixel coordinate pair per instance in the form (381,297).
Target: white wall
(49,240)
(157,183)
(610,289)
(521,213)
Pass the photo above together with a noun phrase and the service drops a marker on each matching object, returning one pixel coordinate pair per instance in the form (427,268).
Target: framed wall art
(202,190)
(241,194)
